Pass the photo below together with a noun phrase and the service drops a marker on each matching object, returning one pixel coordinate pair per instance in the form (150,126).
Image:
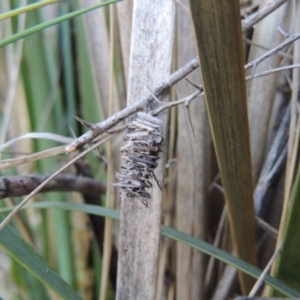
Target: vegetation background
(229,167)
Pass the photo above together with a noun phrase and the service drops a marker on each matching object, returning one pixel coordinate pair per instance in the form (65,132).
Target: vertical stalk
(220,45)
(150,62)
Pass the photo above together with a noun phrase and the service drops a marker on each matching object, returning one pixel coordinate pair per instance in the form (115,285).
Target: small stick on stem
(178,102)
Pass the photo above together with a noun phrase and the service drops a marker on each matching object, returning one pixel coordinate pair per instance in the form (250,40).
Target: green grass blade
(42,89)
(67,67)
(27,8)
(90,104)
(90,99)
(27,282)
(64,245)
(29,259)
(227,258)
(55,21)
(288,266)
(86,208)
(177,236)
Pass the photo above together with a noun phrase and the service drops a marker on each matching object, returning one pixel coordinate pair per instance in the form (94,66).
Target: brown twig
(42,185)
(15,186)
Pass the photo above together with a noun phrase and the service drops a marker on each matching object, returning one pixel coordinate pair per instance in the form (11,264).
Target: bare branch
(133,108)
(98,128)
(185,100)
(42,185)
(268,72)
(252,43)
(262,13)
(15,186)
(290,39)
(262,276)
(140,105)
(9,163)
(270,230)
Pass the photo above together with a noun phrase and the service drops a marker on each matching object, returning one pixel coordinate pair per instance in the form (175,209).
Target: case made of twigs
(140,154)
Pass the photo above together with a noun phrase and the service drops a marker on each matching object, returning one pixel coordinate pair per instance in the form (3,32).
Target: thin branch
(252,43)
(261,13)
(168,105)
(273,232)
(16,186)
(9,163)
(104,126)
(97,129)
(272,71)
(289,40)
(38,135)
(189,117)
(133,108)
(108,123)
(41,186)
(262,276)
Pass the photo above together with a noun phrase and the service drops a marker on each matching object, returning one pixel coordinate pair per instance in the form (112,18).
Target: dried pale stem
(218,236)
(13,59)
(262,276)
(9,163)
(110,194)
(267,227)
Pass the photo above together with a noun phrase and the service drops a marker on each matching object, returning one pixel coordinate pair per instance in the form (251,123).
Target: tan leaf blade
(219,39)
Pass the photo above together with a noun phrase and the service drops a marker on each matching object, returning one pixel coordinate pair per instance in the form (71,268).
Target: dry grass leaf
(192,168)
(223,76)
